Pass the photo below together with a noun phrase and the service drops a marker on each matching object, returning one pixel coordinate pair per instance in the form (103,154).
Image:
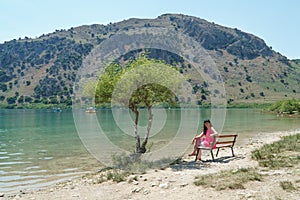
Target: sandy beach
(177,181)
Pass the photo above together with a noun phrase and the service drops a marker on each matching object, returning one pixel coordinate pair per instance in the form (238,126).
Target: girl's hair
(204,127)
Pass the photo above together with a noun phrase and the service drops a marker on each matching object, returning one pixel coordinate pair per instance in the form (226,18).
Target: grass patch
(134,163)
(111,174)
(117,176)
(287,185)
(125,165)
(234,179)
(284,153)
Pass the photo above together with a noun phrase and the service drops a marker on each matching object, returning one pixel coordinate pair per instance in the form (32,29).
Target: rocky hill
(43,70)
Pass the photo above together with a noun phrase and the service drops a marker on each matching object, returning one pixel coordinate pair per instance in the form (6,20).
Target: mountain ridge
(43,70)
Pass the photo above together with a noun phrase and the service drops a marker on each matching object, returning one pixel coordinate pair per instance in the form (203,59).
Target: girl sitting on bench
(205,139)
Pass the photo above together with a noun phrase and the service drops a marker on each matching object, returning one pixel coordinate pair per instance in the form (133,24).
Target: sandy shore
(176,182)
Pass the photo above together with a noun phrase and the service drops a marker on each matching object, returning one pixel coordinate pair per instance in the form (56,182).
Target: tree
(142,83)
(3,87)
(21,99)
(89,90)
(53,100)
(28,99)
(11,100)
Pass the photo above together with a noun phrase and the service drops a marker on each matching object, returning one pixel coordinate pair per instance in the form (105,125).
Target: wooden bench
(222,141)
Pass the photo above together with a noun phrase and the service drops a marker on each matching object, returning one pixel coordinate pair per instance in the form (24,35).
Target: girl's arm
(214,132)
(197,137)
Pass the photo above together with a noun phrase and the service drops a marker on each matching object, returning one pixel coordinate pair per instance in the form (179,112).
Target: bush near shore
(291,106)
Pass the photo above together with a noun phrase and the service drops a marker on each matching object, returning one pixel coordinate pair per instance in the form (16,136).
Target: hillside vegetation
(43,70)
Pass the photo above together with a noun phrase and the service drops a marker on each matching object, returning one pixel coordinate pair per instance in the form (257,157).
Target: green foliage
(107,83)
(125,165)
(89,89)
(11,100)
(28,99)
(248,105)
(248,78)
(274,156)
(287,106)
(146,81)
(134,164)
(262,94)
(287,185)
(4,77)
(116,176)
(53,100)
(3,87)
(234,179)
(21,99)
(225,69)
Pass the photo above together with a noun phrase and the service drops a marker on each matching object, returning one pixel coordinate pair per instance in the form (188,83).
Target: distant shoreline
(107,106)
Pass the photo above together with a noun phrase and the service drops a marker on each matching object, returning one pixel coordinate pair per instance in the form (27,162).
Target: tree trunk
(137,137)
(150,117)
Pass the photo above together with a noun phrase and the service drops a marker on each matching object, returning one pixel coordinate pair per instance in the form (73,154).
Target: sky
(277,22)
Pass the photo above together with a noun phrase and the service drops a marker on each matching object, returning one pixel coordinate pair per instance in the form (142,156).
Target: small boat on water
(90,110)
(58,110)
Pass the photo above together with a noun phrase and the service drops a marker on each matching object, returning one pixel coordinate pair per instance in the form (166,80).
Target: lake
(42,147)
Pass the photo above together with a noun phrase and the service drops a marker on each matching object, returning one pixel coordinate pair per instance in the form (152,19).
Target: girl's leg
(196,145)
(199,155)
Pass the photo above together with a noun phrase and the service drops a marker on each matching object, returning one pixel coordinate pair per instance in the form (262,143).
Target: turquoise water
(41,147)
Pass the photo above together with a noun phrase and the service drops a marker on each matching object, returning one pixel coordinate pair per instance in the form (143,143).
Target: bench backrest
(225,140)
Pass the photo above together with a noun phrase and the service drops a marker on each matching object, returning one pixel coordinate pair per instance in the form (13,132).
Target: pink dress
(207,141)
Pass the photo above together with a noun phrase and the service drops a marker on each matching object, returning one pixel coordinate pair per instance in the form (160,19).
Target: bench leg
(197,154)
(212,155)
(232,151)
(217,152)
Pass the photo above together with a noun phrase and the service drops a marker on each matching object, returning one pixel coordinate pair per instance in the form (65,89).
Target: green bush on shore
(290,106)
